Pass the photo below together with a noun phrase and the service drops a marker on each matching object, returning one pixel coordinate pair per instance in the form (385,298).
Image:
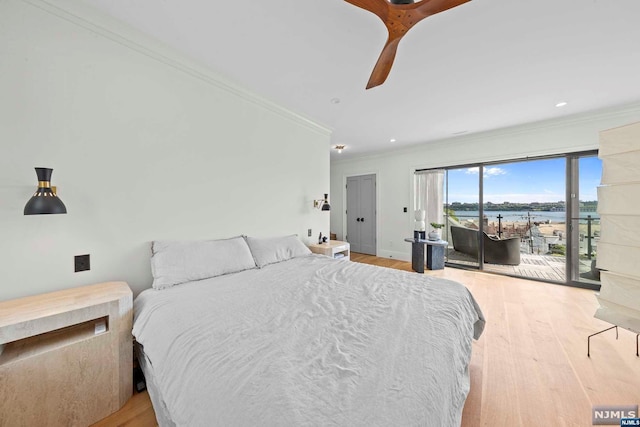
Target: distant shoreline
(559,206)
(523,216)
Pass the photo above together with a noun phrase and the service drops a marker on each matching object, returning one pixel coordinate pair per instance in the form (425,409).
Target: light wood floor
(530,367)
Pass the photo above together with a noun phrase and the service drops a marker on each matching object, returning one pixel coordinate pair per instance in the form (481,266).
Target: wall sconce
(339,148)
(322,204)
(45,200)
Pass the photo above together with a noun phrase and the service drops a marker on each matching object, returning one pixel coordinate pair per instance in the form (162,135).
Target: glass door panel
(585,221)
(525,219)
(462,216)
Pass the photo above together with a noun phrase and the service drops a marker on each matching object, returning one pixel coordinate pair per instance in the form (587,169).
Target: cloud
(472,171)
(488,172)
(494,171)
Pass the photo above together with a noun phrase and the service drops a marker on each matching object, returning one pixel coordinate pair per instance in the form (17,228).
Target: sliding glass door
(531,218)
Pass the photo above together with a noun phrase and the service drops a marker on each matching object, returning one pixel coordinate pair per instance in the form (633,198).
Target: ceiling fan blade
(385,61)
(399,19)
(378,7)
(431,7)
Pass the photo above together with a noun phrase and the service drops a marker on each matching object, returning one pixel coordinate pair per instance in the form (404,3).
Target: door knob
(361,219)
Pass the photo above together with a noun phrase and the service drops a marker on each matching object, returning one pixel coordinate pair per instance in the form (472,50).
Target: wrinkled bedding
(310,341)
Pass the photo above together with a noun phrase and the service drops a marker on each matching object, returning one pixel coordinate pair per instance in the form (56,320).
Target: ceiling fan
(399,16)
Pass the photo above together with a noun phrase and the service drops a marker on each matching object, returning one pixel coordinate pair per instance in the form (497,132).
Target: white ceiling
(484,65)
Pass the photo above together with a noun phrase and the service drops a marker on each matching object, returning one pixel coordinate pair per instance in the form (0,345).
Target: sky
(524,182)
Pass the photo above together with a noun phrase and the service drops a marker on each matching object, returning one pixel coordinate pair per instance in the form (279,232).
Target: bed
(299,339)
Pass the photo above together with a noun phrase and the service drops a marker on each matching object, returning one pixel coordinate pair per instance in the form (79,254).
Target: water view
(516,216)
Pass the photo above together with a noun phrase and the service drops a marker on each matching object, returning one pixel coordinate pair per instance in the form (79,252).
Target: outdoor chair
(496,251)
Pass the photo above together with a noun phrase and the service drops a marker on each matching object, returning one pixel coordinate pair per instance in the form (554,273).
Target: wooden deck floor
(532,266)
(543,267)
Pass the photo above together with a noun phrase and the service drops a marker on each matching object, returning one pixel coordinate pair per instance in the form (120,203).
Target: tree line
(508,206)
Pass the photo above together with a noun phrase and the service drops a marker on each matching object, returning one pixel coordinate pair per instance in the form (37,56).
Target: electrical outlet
(309,233)
(82,263)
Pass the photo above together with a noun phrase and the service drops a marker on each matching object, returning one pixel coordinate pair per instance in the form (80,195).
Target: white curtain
(429,195)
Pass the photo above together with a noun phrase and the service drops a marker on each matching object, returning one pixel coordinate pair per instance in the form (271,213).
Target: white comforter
(311,342)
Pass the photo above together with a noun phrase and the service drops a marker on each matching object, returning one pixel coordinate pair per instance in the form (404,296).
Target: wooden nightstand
(66,356)
(333,248)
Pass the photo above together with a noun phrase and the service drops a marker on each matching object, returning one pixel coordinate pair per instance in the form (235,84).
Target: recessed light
(392,140)
(339,148)
(335,100)
(460,132)
(561,104)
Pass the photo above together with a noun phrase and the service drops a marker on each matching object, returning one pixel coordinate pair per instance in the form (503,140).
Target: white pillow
(174,262)
(269,250)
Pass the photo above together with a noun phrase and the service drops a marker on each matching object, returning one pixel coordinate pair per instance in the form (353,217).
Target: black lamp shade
(325,204)
(44,201)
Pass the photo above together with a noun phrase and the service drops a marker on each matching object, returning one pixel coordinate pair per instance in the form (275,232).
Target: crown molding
(511,131)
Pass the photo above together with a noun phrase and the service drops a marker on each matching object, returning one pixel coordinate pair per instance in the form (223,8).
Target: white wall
(144,145)
(395,169)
